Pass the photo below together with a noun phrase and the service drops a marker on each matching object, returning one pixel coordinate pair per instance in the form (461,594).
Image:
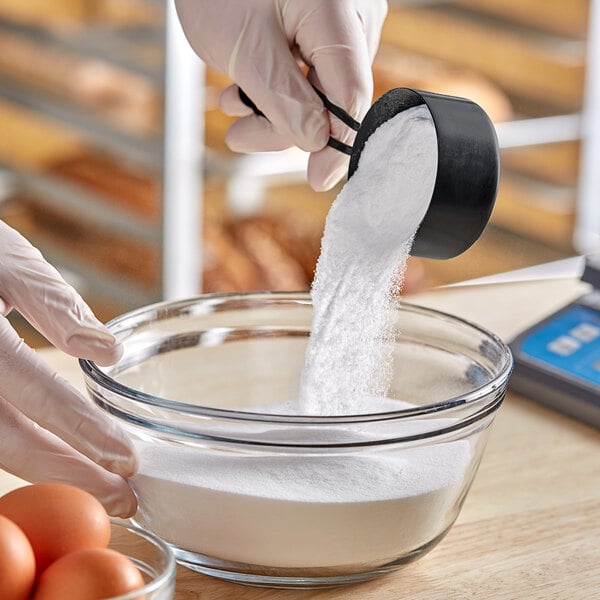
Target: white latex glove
(256,42)
(48,430)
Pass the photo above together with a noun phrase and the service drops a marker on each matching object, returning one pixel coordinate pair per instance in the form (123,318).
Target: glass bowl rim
(98,376)
(165,575)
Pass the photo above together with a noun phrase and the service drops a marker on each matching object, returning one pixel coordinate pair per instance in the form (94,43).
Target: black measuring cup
(468,166)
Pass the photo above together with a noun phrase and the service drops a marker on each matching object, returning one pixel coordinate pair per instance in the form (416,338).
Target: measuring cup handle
(340,113)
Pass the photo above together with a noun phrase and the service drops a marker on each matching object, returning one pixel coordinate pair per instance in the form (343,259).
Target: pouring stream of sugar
(365,246)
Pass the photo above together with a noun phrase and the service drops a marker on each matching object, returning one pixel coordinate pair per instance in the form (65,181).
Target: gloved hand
(48,430)
(256,42)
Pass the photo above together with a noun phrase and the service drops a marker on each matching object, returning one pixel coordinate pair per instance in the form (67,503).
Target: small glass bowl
(153,557)
(245,492)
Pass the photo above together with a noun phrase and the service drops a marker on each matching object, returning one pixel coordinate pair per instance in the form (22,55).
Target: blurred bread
(394,67)
(73,13)
(108,179)
(128,100)
(227,267)
(279,269)
(112,253)
(32,142)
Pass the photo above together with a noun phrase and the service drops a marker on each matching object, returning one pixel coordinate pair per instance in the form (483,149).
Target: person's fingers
(5,307)
(340,66)
(34,454)
(231,104)
(37,290)
(332,42)
(326,168)
(372,14)
(329,166)
(251,133)
(277,85)
(255,134)
(33,388)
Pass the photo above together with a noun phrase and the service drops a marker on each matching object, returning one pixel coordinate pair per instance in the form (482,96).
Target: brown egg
(93,574)
(57,519)
(17,563)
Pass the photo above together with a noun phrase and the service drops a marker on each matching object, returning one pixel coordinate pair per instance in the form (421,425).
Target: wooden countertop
(530,527)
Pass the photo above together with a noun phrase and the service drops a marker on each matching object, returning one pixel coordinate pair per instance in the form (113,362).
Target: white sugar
(367,239)
(303,511)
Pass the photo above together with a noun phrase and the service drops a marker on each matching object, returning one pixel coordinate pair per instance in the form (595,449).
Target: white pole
(587,225)
(536,131)
(183,162)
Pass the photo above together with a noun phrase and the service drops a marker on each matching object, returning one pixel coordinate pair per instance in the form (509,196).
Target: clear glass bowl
(153,557)
(245,492)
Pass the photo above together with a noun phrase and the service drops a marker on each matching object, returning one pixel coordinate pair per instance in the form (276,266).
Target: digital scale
(557,361)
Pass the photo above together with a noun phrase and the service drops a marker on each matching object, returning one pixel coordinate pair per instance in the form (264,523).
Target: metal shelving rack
(176,156)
